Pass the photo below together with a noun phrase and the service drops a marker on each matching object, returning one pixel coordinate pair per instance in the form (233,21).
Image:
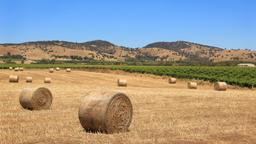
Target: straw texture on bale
(220,86)
(57,68)
(122,82)
(106,112)
(29,79)
(38,99)
(16,69)
(47,80)
(51,70)
(192,85)
(68,70)
(172,80)
(13,78)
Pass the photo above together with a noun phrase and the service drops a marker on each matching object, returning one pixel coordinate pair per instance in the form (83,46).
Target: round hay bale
(47,80)
(51,70)
(29,79)
(172,80)
(13,78)
(220,86)
(68,70)
(57,69)
(10,68)
(192,85)
(122,82)
(16,69)
(21,69)
(38,99)
(106,112)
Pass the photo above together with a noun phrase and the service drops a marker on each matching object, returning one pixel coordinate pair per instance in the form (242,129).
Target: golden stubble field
(163,113)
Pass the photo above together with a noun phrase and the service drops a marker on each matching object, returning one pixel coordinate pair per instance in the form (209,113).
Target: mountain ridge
(177,44)
(104,41)
(106,51)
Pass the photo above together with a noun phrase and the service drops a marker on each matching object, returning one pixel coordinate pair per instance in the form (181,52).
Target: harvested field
(162,112)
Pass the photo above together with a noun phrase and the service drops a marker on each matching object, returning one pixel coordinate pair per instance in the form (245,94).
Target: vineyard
(244,77)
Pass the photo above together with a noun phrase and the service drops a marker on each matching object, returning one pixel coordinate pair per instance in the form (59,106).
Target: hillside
(178,45)
(106,51)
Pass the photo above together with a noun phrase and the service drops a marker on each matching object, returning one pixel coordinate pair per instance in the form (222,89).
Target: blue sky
(133,23)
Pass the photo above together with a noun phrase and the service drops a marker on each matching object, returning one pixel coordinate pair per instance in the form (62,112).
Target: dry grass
(163,113)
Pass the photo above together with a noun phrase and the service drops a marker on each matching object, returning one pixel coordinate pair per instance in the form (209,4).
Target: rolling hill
(107,51)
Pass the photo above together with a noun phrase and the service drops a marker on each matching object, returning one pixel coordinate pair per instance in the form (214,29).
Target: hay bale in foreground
(122,82)
(220,86)
(10,68)
(57,69)
(51,70)
(13,79)
(47,80)
(172,80)
(21,69)
(29,79)
(106,112)
(16,69)
(192,85)
(38,99)
(68,70)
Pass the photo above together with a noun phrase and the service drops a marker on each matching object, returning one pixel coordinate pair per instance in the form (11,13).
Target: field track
(163,113)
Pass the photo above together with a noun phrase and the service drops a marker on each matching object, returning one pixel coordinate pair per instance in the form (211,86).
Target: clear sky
(132,23)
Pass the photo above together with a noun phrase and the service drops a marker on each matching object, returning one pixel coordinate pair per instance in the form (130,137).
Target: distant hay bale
(13,79)
(38,99)
(21,69)
(172,80)
(57,69)
(220,86)
(68,70)
(246,65)
(47,80)
(122,82)
(192,85)
(16,69)
(106,112)
(29,79)
(10,68)
(51,70)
